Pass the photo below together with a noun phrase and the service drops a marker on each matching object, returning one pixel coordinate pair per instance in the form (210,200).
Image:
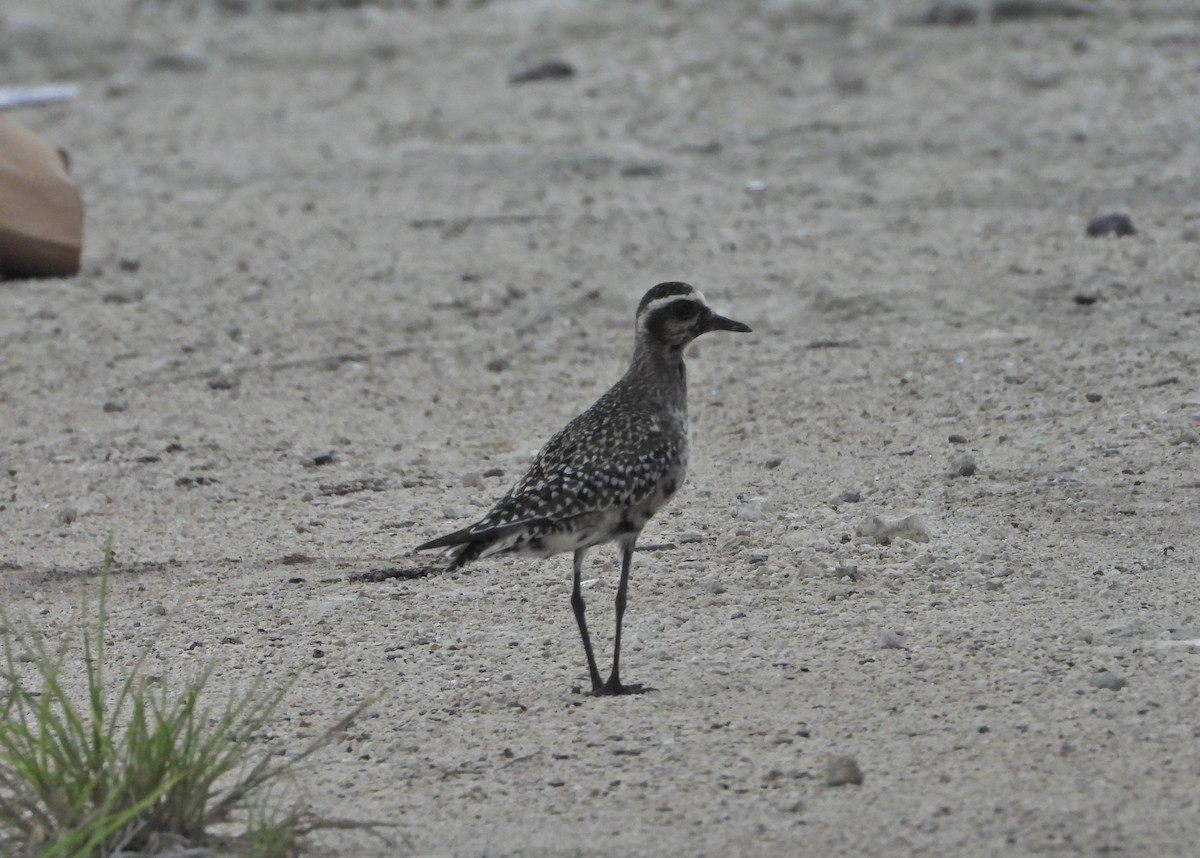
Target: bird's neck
(661,369)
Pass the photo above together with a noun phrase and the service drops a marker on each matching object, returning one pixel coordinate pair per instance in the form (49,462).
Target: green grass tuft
(127,766)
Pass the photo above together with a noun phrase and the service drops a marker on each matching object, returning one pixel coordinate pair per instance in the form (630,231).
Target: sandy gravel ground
(346,235)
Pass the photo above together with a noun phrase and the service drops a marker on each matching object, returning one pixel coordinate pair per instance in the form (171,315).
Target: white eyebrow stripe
(659,303)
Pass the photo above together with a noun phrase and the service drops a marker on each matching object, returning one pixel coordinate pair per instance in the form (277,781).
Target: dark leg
(578,608)
(614,686)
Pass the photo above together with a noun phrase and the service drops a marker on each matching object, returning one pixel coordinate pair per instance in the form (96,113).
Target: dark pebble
(1094,397)
(323,459)
(1111,224)
(643,171)
(964,467)
(850,496)
(957,439)
(1107,680)
(223,382)
(840,771)
(545,70)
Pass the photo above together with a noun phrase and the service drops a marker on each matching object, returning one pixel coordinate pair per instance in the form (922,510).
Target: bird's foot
(614,687)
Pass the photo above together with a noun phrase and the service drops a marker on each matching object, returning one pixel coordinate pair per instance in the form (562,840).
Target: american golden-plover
(603,476)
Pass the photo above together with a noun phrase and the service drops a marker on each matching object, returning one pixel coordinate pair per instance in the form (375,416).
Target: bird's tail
(460,547)
(462,554)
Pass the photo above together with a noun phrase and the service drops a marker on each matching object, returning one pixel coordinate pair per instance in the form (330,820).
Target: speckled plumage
(606,473)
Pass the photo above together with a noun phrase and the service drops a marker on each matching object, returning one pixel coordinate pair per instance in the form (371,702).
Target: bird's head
(673,314)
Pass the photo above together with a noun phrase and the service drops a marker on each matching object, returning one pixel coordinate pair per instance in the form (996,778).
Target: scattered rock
(362,484)
(690,536)
(850,496)
(322,459)
(473,480)
(67,515)
(1111,224)
(192,482)
(1107,679)
(122,296)
(957,439)
(964,466)
(956,13)
(643,170)
(883,530)
(1093,397)
(848,77)
(223,382)
(842,770)
(751,510)
(846,570)
(112,407)
(773,463)
(891,639)
(1086,299)
(552,69)
(498,364)
(183,61)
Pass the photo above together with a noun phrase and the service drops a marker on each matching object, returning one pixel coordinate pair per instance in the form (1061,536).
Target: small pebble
(67,515)
(1094,397)
(850,496)
(643,170)
(848,77)
(882,530)
(473,480)
(689,536)
(963,466)
(498,364)
(957,439)
(553,69)
(323,458)
(1107,679)
(182,61)
(1111,224)
(112,407)
(751,510)
(846,570)
(890,639)
(842,770)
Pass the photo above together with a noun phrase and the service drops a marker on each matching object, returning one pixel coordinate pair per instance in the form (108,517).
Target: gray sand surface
(346,231)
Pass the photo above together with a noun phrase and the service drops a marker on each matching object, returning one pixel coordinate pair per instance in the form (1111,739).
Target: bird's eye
(683,309)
